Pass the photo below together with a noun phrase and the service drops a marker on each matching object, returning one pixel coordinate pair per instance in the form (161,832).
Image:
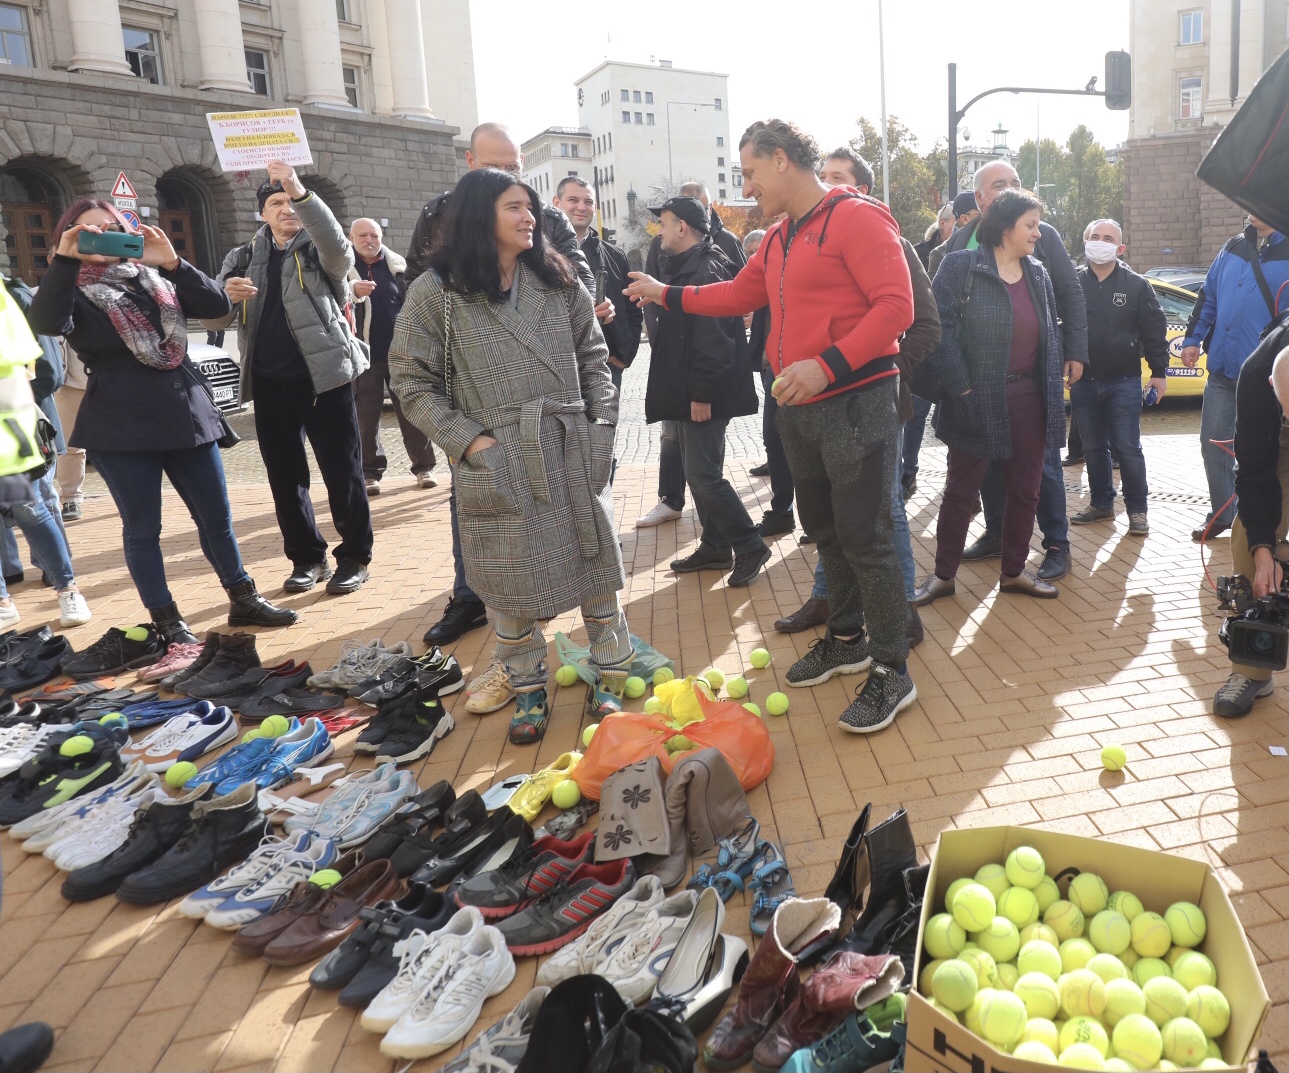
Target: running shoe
(276,880)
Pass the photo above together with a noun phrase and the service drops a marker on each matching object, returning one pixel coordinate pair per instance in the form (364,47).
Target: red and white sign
(132,218)
(123,189)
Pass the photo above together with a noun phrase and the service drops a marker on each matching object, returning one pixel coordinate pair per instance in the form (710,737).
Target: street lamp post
(688,104)
(881,60)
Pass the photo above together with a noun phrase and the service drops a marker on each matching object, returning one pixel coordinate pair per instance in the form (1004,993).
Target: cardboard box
(938,1045)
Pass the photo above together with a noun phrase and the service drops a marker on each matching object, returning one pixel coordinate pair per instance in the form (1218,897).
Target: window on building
(610,139)
(143,54)
(738,180)
(720,162)
(722,192)
(635,96)
(718,104)
(257,71)
(625,95)
(1192,28)
(350,77)
(639,118)
(720,142)
(648,97)
(15,39)
(611,179)
(720,177)
(1191,104)
(626,117)
(648,119)
(574,152)
(342,10)
(563,149)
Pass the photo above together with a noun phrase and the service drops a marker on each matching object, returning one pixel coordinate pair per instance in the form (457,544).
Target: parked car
(222,371)
(1172,273)
(1178,301)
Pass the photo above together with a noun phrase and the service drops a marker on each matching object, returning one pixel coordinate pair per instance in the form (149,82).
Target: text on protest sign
(247,141)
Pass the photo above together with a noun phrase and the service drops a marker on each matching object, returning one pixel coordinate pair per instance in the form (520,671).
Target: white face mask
(1101,253)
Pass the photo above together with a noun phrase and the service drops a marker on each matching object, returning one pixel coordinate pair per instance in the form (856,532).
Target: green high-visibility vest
(19,414)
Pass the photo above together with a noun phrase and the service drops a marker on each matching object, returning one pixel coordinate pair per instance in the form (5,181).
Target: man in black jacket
(1125,321)
(700,376)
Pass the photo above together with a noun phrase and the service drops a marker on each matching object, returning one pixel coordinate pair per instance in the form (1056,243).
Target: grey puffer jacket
(314,290)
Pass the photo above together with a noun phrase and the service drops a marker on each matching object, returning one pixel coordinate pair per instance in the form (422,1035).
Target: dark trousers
(725,521)
(914,430)
(1053,521)
(1109,413)
(1021,475)
(460,587)
(285,413)
(782,491)
(843,452)
(671,466)
(369,400)
(1074,441)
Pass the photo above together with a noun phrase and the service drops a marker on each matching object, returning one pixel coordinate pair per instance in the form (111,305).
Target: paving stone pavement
(1017,697)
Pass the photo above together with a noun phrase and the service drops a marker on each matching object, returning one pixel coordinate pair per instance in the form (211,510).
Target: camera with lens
(1258,633)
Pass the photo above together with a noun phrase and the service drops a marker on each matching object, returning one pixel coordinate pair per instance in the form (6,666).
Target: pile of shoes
(31,658)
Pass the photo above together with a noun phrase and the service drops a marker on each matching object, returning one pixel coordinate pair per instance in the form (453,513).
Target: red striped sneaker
(533,873)
(562,915)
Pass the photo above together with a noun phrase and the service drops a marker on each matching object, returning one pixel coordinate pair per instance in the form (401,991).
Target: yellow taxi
(1178,303)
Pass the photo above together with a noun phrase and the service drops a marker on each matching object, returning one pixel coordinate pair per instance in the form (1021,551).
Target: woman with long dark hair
(147,410)
(999,363)
(498,357)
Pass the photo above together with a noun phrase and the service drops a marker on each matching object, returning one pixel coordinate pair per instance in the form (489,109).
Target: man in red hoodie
(835,278)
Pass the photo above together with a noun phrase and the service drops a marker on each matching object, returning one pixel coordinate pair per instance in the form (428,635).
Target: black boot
(848,884)
(171,626)
(888,852)
(901,938)
(246,607)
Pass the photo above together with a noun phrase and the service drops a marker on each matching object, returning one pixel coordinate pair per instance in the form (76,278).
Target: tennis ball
(137,633)
(1174,952)
(1002,1018)
(1165,1000)
(1089,892)
(250,735)
(1041,1030)
(589,733)
(275,726)
(1040,994)
(1122,997)
(1082,994)
(1126,904)
(759,658)
(1129,959)
(76,745)
(944,1010)
(1151,936)
(1038,956)
(1001,939)
(777,704)
(566,675)
(954,985)
(1008,974)
(566,794)
(755,709)
(1085,1030)
(716,678)
(736,687)
(1110,932)
(1030,1050)
(1213,1063)
(635,687)
(703,686)
(180,773)
(1108,967)
(928,971)
(1165,1066)
(1137,1041)
(944,936)
(971,1016)
(1047,892)
(114,719)
(985,967)
(1019,905)
(1214,1051)
(1184,1042)
(1147,969)
(974,908)
(653,704)
(1064,918)
(1113,758)
(678,743)
(1025,867)
(952,892)
(1039,932)
(325,878)
(1076,953)
(994,877)
(1118,1065)
(1081,1056)
(774,387)
(1208,1008)
(1193,970)
(1186,923)
(662,676)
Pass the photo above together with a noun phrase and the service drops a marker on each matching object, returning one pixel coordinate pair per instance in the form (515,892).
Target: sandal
(735,861)
(773,885)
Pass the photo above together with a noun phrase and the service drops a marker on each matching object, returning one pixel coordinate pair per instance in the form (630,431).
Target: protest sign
(247,141)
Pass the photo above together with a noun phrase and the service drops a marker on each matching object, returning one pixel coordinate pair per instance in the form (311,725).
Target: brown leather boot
(770,984)
(811,614)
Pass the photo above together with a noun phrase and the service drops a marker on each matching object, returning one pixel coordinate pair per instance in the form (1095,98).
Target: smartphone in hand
(599,286)
(110,244)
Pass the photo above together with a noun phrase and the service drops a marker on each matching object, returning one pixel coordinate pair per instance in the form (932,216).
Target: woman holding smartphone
(147,411)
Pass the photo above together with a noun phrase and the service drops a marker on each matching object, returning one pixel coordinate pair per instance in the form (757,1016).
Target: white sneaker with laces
(500,1049)
(635,966)
(78,825)
(74,611)
(162,739)
(262,862)
(359,662)
(426,480)
(286,869)
(351,816)
(604,936)
(8,612)
(99,833)
(490,691)
(659,514)
(133,780)
(22,744)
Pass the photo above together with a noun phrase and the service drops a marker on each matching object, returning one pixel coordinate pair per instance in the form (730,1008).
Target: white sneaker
(421,957)
(472,972)
(263,861)
(22,744)
(426,480)
(660,513)
(133,780)
(490,691)
(635,966)
(81,823)
(351,815)
(604,936)
(8,612)
(162,738)
(101,832)
(74,610)
(360,662)
(285,870)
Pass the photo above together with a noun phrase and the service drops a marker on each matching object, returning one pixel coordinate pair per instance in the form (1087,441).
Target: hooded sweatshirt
(838,287)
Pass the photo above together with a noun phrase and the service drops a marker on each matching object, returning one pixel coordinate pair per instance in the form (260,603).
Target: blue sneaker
(860,1042)
(154,712)
(304,743)
(278,875)
(219,890)
(238,761)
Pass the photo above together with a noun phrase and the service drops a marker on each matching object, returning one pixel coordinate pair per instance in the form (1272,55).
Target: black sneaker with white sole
(415,730)
(829,656)
(879,701)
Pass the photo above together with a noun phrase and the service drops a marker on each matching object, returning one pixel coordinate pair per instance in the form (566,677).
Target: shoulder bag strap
(1256,262)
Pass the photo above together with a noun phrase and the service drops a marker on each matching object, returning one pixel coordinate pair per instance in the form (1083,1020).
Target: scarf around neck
(105,286)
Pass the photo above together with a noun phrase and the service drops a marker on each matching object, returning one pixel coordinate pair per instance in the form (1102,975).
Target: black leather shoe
(1056,563)
(460,618)
(746,566)
(432,913)
(763,470)
(1072,460)
(1028,584)
(913,632)
(24,1048)
(776,523)
(246,607)
(1207,532)
(305,576)
(703,559)
(987,547)
(809,615)
(349,577)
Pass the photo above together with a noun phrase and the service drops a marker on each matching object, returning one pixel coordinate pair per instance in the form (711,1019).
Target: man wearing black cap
(700,376)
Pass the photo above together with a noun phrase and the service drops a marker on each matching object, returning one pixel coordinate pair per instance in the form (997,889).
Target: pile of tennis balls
(1089,981)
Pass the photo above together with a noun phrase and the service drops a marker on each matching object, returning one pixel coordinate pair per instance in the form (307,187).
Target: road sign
(131,217)
(126,202)
(122,188)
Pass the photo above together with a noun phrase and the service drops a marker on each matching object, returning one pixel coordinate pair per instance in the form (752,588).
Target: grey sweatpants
(843,453)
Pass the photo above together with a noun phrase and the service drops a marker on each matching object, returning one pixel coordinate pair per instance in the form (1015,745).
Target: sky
(821,70)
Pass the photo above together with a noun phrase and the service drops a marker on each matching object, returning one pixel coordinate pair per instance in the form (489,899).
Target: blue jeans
(903,539)
(1108,415)
(197,473)
(460,587)
(10,555)
(1217,422)
(1053,522)
(782,490)
(671,465)
(914,430)
(44,534)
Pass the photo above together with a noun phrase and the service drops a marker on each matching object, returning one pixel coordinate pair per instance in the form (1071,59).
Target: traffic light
(1118,81)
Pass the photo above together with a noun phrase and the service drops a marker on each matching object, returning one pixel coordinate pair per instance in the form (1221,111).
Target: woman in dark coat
(999,364)
(147,411)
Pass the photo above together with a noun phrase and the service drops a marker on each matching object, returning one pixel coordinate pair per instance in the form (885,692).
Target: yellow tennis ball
(736,687)
(114,719)
(986,969)
(1174,952)
(759,658)
(1047,892)
(1031,1050)
(1110,932)
(974,907)
(1165,1066)
(1208,1008)
(1126,904)
(1040,994)
(943,1010)
(1187,924)
(275,726)
(993,877)
(1213,1063)
(180,773)
(1184,1042)
(715,677)
(1041,1030)
(1002,1018)
(755,709)
(1008,974)
(971,1016)
(662,676)
(1151,936)
(1019,905)
(1064,918)
(944,936)
(251,734)
(1038,956)
(1122,997)
(952,892)
(1089,892)
(1041,932)
(1025,867)
(325,878)
(1081,1056)
(1146,969)
(1214,1051)
(589,733)
(566,675)
(1165,999)
(1137,1041)
(777,704)
(1082,994)
(1108,967)
(76,745)
(566,794)
(954,985)
(634,687)
(1118,1065)
(1129,959)
(1076,953)
(1088,1030)
(928,971)
(1113,758)
(652,705)
(1193,970)
(1001,939)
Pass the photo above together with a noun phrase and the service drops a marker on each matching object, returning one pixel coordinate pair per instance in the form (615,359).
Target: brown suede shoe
(1028,584)
(334,916)
(811,614)
(304,897)
(933,588)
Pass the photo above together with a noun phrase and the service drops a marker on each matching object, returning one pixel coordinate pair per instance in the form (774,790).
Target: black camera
(1258,632)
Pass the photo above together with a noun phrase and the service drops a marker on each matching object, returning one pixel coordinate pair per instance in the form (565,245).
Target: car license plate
(224,394)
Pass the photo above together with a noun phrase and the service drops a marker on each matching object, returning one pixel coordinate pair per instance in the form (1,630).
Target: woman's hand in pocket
(480,443)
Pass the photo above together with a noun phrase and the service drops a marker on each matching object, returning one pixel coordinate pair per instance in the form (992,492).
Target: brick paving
(1017,699)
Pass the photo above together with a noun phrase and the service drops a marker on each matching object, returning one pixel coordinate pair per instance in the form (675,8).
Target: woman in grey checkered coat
(498,357)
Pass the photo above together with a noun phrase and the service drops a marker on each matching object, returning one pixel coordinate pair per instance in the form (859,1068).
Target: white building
(654,126)
(971,158)
(553,154)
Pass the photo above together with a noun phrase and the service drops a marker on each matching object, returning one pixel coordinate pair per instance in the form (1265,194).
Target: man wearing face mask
(1125,321)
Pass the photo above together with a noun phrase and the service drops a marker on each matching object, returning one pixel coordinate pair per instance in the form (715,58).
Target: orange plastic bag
(726,725)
